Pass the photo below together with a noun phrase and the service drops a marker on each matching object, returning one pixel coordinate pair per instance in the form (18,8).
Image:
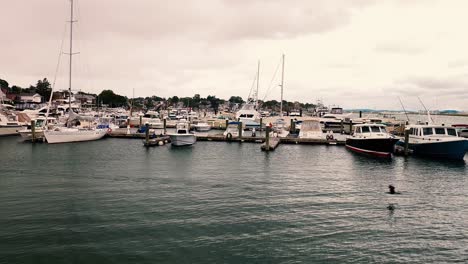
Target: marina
(230,198)
(233,132)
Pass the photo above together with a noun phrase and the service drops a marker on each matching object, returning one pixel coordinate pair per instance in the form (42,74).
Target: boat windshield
(440,131)
(375,129)
(427,131)
(365,129)
(451,132)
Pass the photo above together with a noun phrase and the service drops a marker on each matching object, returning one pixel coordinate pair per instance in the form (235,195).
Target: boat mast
(71,55)
(258,84)
(282,85)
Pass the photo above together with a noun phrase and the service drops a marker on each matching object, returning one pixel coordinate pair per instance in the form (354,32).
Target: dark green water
(113,201)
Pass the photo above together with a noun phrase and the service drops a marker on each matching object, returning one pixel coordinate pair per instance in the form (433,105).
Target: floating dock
(158,141)
(338,140)
(271,144)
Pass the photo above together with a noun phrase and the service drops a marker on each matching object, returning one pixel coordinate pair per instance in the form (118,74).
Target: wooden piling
(164,126)
(360,114)
(406,151)
(147,134)
(342,126)
(141,121)
(239,126)
(261,124)
(267,138)
(292,127)
(227,123)
(350,127)
(33,131)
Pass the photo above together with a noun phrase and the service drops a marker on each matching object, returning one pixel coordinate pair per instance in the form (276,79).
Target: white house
(31,98)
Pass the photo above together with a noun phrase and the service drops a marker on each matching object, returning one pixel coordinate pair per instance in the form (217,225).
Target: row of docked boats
(427,140)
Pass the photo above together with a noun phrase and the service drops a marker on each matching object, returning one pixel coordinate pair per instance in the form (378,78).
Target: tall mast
(258,84)
(71,55)
(282,85)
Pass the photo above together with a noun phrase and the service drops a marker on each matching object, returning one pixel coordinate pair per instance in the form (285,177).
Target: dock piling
(164,126)
(227,123)
(267,138)
(147,133)
(33,131)
(292,127)
(350,127)
(342,127)
(261,123)
(406,151)
(239,126)
(141,121)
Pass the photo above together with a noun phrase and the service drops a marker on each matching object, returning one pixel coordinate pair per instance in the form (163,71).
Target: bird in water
(392,190)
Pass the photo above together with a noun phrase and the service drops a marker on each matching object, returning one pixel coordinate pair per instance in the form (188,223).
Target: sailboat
(279,126)
(72,134)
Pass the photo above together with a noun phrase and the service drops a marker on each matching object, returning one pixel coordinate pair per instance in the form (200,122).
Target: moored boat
(182,136)
(371,139)
(436,141)
(201,126)
(67,135)
(232,130)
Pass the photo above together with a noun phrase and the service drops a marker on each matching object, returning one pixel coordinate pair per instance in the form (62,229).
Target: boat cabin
(370,130)
(433,131)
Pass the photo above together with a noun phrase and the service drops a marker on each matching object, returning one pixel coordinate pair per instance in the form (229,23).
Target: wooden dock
(249,139)
(272,144)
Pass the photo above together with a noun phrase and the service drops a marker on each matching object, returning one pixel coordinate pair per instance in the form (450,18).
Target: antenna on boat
(399,98)
(427,111)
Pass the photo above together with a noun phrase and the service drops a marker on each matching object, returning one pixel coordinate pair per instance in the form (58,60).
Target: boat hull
(26,134)
(182,140)
(379,147)
(73,135)
(9,130)
(202,128)
(455,149)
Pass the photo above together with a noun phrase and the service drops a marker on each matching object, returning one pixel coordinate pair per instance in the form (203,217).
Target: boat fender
(329,137)
(109,130)
(229,136)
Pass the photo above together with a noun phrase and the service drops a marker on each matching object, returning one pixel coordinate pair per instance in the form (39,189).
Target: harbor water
(114,201)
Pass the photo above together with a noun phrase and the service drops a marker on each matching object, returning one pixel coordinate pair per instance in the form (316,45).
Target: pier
(247,139)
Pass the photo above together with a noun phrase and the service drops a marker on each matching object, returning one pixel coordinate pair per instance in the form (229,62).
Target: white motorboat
(26,133)
(232,130)
(279,128)
(9,124)
(312,129)
(182,136)
(201,126)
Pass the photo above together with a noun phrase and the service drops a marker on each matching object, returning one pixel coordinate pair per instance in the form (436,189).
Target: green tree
(43,88)
(110,98)
(15,89)
(236,100)
(214,102)
(4,84)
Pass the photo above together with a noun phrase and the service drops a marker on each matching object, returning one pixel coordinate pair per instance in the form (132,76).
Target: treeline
(111,99)
(42,88)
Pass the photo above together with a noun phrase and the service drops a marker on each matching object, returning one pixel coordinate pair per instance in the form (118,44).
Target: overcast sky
(356,54)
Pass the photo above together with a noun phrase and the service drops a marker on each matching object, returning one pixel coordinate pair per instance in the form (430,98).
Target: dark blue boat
(436,141)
